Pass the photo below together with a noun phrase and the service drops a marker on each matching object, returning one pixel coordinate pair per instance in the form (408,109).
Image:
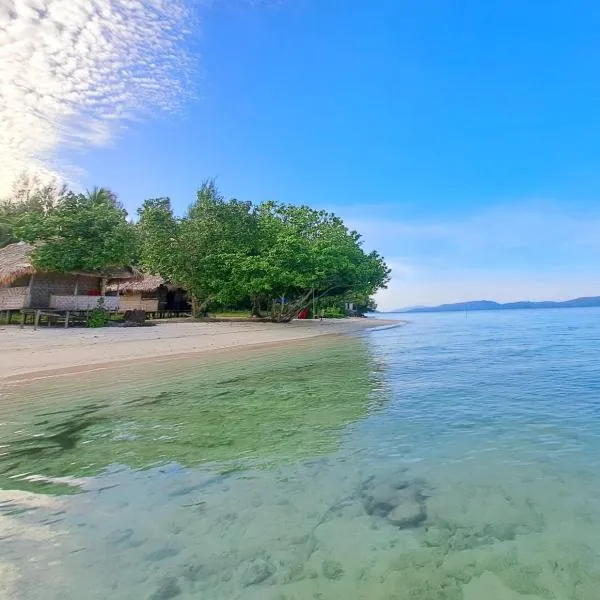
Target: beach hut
(150,293)
(22,286)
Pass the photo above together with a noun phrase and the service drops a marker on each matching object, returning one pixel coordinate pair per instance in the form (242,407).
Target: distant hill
(490,305)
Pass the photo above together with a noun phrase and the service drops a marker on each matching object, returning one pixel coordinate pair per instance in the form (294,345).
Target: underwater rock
(192,571)
(492,587)
(162,554)
(380,500)
(407,514)
(256,572)
(402,502)
(332,569)
(168,588)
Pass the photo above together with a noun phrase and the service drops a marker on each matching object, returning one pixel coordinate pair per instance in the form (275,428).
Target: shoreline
(29,355)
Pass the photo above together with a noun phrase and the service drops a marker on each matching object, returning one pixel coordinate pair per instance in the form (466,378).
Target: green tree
(81,233)
(305,253)
(201,250)
(276,256)
(28,198)
(102,195)
(159,240)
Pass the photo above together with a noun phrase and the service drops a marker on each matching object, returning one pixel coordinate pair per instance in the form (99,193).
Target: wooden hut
(150,293)
(24,287)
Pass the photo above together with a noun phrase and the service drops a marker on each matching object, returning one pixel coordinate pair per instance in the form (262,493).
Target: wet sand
(26,353)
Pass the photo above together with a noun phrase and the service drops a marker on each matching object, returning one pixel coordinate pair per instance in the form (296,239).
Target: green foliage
(362,302)
(332,312)
(81,233)
(159,244)
(200,251)
(98,317)
(28,199)
(301,252)
(227,251)
(9,218)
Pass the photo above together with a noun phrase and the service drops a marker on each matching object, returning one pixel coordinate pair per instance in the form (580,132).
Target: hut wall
(15,295)
(13,298)
(71,302)
(136,302)
(58,284)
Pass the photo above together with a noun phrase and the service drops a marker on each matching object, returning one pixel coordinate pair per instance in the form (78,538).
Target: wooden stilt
(36,319)
(67,320)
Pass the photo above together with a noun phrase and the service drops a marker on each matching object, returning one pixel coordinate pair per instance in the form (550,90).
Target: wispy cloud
(74,72)
(487,232)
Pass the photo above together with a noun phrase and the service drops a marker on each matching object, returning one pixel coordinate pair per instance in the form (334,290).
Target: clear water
(453,458)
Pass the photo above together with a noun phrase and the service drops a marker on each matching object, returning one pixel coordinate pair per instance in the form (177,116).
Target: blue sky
(462,138)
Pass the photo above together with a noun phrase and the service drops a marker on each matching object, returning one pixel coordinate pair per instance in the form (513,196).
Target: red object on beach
(303,314)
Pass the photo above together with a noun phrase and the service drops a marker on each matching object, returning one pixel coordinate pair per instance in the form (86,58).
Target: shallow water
(453,458)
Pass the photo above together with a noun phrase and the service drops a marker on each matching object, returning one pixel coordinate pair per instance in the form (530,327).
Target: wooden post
(67,320)
(28,297)
(36,319)
(22,318)
(75,292)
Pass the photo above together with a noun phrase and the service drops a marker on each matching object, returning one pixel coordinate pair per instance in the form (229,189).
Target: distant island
(490,305)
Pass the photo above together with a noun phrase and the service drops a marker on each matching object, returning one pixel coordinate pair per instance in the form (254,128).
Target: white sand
(25,351)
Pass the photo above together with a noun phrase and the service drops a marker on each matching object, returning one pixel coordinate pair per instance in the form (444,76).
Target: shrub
(98,317)
(333,312)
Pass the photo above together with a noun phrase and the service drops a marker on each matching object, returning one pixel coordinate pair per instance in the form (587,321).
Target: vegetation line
(275,260)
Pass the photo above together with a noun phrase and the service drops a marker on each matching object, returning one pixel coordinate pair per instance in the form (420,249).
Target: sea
(455,457)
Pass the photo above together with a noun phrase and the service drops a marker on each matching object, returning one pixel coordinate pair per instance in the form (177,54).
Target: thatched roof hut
(150,293)
(15,262)
(24,286)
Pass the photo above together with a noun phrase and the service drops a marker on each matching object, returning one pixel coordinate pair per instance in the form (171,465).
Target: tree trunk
(255,311)
(200,306)
(195,303)
(203,307)
(292,309)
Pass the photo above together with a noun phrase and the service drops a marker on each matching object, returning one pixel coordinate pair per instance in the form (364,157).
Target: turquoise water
(452,458)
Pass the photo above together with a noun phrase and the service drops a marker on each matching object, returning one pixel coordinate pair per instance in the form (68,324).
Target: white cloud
(74,72)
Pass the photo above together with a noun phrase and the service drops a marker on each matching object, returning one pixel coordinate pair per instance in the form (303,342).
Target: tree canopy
(80,232)
(29,198)
(277,256)
(200,251)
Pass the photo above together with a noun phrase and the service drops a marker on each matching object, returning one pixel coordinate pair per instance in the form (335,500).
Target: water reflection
(282,405)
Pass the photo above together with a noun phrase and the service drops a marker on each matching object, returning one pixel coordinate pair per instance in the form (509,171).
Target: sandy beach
(26,353)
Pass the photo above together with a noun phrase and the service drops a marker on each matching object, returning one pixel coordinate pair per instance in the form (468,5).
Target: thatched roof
(124,274)
(15,262)
(145,285)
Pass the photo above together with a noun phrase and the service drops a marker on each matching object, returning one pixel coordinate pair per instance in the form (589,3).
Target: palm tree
(101,194)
